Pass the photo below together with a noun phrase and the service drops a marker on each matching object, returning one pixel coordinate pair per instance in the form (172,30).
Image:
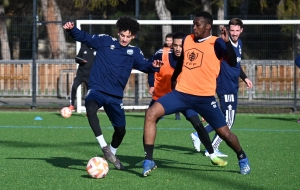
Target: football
(66,112)
(97,167)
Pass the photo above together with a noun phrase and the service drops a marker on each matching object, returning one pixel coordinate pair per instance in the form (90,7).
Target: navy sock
(241,154)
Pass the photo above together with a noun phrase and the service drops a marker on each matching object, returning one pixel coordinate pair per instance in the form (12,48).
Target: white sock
(113,150)
(101,141)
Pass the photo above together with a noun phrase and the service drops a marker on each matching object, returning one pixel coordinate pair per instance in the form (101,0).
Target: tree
(290,9)
(206,5)
(163,14)
(5,50)
(52,16)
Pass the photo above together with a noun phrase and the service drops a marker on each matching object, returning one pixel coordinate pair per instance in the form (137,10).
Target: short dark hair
(170,35)
(179,35)
(127,23)
(207,17)
(236,22)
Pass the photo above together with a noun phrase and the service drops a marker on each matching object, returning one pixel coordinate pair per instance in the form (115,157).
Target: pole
(225,9)
(34,31)
(136,75)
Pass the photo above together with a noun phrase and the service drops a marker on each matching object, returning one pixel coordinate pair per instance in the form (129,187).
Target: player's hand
(151,91)
(249,83)
(224,33)
(157,63)
(68,25)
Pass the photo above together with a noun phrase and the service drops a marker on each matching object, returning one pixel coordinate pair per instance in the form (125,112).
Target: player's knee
(154,112)
(224,133)
(228,136)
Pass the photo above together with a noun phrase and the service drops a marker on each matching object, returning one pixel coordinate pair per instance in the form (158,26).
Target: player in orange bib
(161,83)
(199,67)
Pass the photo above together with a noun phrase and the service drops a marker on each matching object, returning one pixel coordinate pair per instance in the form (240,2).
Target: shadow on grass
(61,162)
(278,118)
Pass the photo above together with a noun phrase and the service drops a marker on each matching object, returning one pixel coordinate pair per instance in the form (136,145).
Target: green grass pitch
(53,153)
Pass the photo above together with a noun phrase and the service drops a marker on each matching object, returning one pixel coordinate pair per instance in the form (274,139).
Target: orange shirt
(200,68)
(162,81)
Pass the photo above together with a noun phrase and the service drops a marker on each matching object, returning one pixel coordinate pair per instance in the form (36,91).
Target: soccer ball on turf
(97,167)
(66,112)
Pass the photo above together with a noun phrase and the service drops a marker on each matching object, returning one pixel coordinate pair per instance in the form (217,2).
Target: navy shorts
(206,106)
(187,113)
(113,106)
(228,104)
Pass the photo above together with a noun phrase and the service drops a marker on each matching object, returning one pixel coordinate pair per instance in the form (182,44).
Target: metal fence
(268,54)
(275,84)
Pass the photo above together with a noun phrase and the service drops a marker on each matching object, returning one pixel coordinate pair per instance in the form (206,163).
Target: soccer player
(85,59)
(227,87)
(168,44)
(113,63)
(168,40)
(199,67)
(161,83)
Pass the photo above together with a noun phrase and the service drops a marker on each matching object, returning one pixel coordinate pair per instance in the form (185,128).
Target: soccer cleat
(109,156)
(298,120)
(72,108)
(196,141)
(244,166)
(177,116)
(218,161)
(219,153)
(148,166)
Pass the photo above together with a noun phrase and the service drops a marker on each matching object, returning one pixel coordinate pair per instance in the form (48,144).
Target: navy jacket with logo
(113,63)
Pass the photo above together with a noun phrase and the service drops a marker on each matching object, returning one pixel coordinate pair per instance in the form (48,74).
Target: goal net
(267,56)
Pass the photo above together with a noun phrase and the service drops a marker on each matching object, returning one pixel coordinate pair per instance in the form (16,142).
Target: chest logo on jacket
(130,51)
(194,58)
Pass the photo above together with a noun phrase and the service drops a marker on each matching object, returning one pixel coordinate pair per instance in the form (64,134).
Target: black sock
(203,135)
(241,154)
(149,151)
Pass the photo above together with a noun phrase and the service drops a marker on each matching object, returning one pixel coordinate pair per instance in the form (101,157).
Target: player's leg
(77,81)
(202,136)
(95,100)
(163,106)
(115,112)
(177,116)
(208,108)
(228,104)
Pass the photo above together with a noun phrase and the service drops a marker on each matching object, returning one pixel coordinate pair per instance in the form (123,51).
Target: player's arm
(156,56)
(230,55)
(140,63)
(224,49)
(94,41)
(177,71)
(79,58)
(244,77)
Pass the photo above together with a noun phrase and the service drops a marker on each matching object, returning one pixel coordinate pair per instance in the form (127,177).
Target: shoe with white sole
(196,141)
(217,152)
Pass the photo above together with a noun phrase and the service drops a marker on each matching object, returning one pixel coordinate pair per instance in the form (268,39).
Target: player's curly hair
(127,23)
